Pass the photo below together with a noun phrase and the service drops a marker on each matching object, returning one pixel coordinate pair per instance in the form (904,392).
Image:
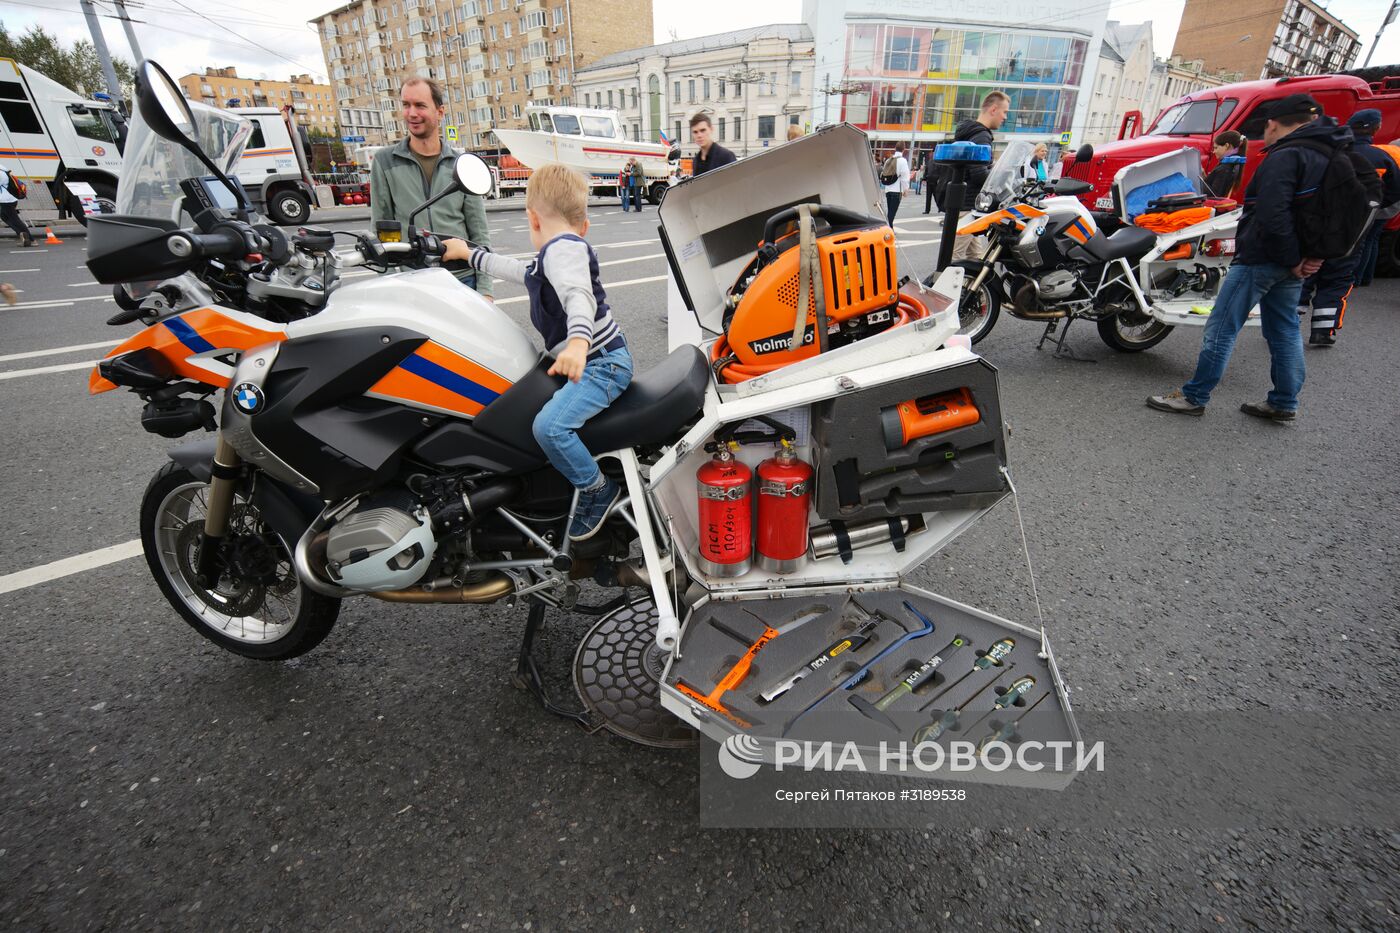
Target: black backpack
(1333,217)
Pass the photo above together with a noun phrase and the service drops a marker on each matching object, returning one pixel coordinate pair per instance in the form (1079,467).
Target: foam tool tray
(867,470)
(782,669)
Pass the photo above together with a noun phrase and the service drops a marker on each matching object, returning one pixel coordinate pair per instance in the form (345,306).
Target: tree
(76,68)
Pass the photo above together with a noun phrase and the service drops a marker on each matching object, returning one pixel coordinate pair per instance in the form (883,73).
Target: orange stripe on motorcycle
(180,338)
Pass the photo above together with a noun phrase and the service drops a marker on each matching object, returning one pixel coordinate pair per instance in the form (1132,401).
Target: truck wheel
(657,192)
(289,207)
(1388,262)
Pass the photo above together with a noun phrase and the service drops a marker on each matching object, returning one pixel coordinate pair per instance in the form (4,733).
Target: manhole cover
(616,670)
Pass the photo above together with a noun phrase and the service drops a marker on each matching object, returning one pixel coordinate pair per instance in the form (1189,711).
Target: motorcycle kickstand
(527,674)
(1062,349)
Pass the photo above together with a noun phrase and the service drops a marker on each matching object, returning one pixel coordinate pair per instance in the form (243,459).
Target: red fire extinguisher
(784,494)
(725,513)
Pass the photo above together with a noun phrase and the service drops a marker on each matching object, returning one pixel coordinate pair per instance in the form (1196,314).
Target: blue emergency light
(962,152)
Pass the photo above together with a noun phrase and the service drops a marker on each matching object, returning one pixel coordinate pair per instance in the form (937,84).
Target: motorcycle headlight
(983,202)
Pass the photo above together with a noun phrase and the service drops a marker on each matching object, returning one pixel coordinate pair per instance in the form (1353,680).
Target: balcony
(541,92)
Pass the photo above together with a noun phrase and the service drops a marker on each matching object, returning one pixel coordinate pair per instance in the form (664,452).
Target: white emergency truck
(51,136)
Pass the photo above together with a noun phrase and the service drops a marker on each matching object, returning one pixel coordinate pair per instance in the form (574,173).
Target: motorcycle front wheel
(257,608)
(977,308)
(1130,335)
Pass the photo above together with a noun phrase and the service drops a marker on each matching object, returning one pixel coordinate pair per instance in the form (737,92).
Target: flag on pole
(664,138)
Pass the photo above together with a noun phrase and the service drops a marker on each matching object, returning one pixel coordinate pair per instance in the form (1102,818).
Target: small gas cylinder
(725,514)
(784,496)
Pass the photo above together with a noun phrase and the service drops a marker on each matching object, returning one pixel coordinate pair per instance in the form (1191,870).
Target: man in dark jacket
(995,107)
(711,155)
(1364,126)
(1326,291)
(1269,265)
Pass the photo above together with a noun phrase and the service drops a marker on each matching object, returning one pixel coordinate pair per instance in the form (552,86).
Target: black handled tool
(929,732)
(851,642)
(1008,698)
(1007,731)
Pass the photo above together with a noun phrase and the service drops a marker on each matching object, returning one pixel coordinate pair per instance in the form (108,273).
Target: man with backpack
(894,176)
(637,182)
(1325,292)
(1300,208)
(11,191)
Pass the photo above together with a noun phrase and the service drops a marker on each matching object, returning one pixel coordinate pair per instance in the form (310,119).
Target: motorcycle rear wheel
(1132,338)
(977,311)
(257,610)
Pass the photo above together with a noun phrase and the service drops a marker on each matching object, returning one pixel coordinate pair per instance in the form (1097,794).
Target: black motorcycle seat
(1129,241)
(650,411)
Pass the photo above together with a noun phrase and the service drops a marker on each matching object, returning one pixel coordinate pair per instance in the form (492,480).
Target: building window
(796,86)
(678,131)
(738,129)
(765,127)
(610,99)
(505,30)
(690,87)
(720,128)
(675,93)
(705,89)
(588,102)
(559,16)
(514,85)
(721,89)
(493,33)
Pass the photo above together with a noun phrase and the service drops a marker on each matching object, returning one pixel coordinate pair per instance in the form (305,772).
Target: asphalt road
(394,779)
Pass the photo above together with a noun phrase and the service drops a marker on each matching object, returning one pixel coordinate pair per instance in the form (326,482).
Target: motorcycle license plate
(1104,204)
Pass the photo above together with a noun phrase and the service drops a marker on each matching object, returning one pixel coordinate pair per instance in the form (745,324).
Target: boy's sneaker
(1174,401)
(593,508)
(1265,410)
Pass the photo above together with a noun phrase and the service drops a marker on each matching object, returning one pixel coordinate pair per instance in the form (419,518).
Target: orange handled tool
(932,414)
(740,670)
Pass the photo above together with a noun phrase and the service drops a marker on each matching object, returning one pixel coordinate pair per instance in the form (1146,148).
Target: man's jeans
(556,426)
(892,199)
(1276,291)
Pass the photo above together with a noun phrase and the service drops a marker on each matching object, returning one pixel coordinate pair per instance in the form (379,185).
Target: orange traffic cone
(49,237)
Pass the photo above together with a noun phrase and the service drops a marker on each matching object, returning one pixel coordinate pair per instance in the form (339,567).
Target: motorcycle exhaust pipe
(222,485)
(494,587)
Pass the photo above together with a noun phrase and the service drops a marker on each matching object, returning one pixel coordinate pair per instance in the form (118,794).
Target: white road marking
(41,370)
(609,286)
(11,271)
(57,302)
(56,351)
(31,250)
(618,262)
(68,566)
(94,285)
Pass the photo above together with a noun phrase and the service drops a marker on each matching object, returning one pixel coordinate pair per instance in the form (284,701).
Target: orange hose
(909,309)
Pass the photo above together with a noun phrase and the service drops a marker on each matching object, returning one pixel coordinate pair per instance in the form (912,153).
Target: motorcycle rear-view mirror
(472,174)
(164,107)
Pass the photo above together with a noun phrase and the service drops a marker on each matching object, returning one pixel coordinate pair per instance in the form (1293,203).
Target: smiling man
(408,172)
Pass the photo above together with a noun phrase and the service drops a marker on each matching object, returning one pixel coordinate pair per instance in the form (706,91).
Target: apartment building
(494,57)
(222,87)
(1266,38)
(752,82)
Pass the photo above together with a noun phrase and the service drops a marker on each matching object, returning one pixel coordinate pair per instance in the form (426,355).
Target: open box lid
(1168,173)
(712,223)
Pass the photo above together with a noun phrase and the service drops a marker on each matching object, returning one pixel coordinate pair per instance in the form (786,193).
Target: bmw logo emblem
(248,398)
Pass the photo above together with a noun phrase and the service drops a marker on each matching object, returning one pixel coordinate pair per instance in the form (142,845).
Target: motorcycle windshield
(152,167)
(1007,174)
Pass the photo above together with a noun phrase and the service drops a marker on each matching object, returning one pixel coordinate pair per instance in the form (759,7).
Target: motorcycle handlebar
(224,242)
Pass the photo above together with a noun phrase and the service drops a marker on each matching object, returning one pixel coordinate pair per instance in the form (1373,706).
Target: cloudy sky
(270,38)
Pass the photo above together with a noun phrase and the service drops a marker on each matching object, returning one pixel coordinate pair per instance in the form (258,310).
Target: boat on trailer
(589,140)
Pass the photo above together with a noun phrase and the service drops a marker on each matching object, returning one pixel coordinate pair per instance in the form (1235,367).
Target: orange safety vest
(1390,150)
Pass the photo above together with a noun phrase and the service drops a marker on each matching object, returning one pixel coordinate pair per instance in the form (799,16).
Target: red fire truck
(1195,120)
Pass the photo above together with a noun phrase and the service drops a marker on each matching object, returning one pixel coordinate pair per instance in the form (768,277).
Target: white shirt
(901,183)
(5,196)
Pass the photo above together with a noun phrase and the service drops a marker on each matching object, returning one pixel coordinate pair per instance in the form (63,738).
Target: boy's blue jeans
(556,426)
(1276,291)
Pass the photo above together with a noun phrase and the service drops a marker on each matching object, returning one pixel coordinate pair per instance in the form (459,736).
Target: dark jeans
(892,204)
(10,214)
(1275,290)
(1369,252)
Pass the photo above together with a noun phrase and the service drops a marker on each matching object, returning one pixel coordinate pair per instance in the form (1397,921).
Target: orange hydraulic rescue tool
(737,673)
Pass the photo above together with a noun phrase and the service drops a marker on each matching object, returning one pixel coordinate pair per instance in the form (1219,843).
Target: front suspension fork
(987,262)
(223,484)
